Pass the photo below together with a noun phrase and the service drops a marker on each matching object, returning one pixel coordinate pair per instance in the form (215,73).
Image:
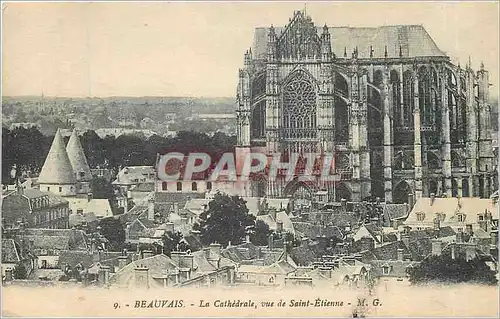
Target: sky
(195,49)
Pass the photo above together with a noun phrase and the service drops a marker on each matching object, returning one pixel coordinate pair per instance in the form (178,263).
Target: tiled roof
(419,249)
(74,239)
(98,206)
(281,267)
(49,242)
(389,251)
(158,265)
(75,257)
(143,187)
(77,158)
(311,230)
(10,253)
(131,175)
(395,211)
(57,168)
(302,255)
(414,38)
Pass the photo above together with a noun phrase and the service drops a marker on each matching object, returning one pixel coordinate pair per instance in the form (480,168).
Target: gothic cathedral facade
(398,115)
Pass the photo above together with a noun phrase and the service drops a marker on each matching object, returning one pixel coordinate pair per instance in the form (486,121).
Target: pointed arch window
(408,103)
(299,100)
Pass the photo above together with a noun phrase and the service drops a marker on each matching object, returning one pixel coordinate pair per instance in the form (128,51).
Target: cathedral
(400,118)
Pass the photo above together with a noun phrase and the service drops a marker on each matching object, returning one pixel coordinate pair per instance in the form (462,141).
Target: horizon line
(116,96)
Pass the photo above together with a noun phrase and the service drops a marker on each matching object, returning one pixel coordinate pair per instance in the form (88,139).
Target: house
(13,256)
(271,275)
(204,268)
(46,244)
(333,271)
(392,271)
(454,212)
(99,207)
(131,176)
(36,208)
(277,221)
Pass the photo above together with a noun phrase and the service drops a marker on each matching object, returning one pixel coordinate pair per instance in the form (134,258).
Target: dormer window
(442,216)
(461,218)
(420,217)
(386,269)
(480,217)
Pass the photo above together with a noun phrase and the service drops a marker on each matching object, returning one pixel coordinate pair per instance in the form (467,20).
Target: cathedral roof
(77,158)
(413,40)
(57,167)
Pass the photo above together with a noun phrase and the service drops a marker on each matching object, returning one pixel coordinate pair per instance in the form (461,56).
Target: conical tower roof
(57,167)
(77,158)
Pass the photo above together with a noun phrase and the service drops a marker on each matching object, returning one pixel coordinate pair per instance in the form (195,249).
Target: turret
(79,163)
(271,44)
(57,175)
(326,45)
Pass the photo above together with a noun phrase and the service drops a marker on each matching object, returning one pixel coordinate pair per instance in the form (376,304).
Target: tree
(174,241)
(20,272)
(261,234)
(102,188)
(225,220)
(112,229)
(443,268)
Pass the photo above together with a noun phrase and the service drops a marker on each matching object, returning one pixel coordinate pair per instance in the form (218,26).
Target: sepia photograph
(250,159)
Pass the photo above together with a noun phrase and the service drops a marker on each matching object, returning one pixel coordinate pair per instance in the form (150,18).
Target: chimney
(89,197)
(187,261)
(270,241)
(350,261)
(176,257)
(96,256)
(459,237)
(103,274)
(405,238)
(142,276)
(400,254)
(279,225)
(207,252)
(325,271)
(169,227)
(9,276)
(437,247)
(468,229)
(437,222)
(215,250)
(494,238)
(122,261)
(147,253)
(433,198)
(395,224)
(411,201)
(151,209)
(343,204)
